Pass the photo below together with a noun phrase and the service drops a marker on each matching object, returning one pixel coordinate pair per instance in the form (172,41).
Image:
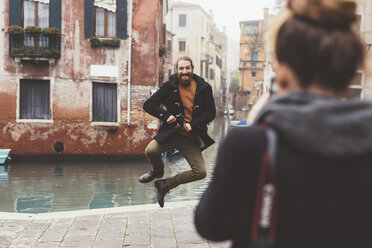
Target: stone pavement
(145,226)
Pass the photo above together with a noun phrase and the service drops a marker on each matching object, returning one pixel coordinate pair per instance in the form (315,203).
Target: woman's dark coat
(204,110)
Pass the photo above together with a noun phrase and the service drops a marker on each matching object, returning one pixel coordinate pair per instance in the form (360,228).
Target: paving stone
(77,241)
(182,211)
(30,235)
(46,245)
(205,245)
(136,240)
(54,233)
(138,217)
(108,243)
(189,238)
(163,243)
(5,241)
(64,221)
(112,224)
(117,215)
(84,227)
(16,223)
(168,233)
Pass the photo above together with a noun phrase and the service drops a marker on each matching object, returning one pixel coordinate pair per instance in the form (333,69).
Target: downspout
(129,59)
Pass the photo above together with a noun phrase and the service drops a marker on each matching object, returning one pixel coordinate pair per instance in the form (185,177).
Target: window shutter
(122,19)
(55,14)
(89,18)
(15,12)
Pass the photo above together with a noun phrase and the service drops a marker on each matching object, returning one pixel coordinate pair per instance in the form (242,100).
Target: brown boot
(162,189)
(149,176)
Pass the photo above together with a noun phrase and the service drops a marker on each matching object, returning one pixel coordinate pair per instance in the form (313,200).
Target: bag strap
(265,211)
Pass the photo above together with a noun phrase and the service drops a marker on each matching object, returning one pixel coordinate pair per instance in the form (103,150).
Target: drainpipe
(129,58)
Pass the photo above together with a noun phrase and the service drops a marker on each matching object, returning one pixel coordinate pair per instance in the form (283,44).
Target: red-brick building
(77,78)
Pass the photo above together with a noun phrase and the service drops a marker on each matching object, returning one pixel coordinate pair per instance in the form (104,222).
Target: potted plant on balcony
(95,41)
(162,50)
(52,53)
(18,51)
(33,30)
(14,29)
(51,31)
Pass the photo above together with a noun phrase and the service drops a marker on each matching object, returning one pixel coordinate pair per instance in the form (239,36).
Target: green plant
(94,39)
(33,29)
(162,50)
(14,29)
(116,40)
(52,52)
(51,31)
(18,50)
(30,49)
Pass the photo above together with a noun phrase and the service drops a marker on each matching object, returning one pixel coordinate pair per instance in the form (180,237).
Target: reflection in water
(60,186)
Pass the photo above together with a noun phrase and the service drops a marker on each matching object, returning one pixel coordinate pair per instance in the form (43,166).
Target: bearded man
(185,104)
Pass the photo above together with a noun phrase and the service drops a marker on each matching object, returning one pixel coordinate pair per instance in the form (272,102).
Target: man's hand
(187,127)
(171,119)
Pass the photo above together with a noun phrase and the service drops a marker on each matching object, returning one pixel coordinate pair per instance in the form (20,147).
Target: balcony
(34,46)
(252,64)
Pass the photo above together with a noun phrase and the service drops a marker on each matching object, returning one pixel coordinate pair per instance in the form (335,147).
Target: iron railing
(35,45)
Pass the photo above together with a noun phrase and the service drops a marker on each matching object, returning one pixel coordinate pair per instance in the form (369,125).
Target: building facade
(195,35)
(252,63)
(75,74)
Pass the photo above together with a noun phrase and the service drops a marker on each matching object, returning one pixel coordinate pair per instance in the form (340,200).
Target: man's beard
(185,82)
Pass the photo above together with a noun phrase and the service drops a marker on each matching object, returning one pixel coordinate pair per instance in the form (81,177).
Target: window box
(97,42)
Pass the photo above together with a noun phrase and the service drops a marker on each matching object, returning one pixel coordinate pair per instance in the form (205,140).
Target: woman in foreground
(324,157)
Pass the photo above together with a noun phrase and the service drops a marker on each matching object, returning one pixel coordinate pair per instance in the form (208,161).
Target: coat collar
(200,82)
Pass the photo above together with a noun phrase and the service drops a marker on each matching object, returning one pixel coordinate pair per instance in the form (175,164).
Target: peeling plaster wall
(72,88)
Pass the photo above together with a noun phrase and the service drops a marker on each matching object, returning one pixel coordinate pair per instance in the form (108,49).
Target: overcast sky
(229,13)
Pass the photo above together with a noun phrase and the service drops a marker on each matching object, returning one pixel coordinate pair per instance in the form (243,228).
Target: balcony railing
(251,63)
(35,45)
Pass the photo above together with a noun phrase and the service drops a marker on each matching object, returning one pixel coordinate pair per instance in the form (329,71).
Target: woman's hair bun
(334,14)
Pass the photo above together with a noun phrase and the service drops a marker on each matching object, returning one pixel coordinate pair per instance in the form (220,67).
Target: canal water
(41,187)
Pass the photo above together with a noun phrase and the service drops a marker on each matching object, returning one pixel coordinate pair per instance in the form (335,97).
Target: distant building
(74,82)
(168,65)
(196,35)
(252,63)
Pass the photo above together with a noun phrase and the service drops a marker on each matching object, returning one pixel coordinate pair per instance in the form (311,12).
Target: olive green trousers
(189,149)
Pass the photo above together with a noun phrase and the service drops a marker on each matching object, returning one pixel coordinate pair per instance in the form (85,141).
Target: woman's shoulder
(251,135)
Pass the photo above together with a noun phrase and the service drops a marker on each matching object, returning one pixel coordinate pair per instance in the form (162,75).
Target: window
(34,99)
(104,102)
(254,56)
(182,46)
(219,62)
(182,20)
(169,46)
(211,74)
(250,29)
(253,74)
(35,13)
(105,18)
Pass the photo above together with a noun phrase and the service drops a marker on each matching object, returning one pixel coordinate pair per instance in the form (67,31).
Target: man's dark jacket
(204,110)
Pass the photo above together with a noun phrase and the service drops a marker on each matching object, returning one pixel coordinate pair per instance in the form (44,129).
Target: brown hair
(317,42)
(185,58)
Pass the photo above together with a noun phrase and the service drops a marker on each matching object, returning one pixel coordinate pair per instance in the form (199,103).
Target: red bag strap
(263,228)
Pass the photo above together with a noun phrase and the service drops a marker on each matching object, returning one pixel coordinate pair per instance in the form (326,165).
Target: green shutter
(55,13)
(89,18)
(15,12)
(122,19)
